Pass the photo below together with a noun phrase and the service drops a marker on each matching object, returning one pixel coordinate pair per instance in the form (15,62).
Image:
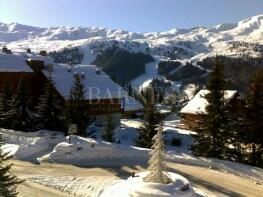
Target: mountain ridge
(251,24)
(183,45)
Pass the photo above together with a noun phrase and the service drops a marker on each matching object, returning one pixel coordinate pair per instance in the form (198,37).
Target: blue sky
(133,15)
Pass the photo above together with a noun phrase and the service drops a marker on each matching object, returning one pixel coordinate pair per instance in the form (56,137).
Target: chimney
(82,75)
(98,71)
(43,53)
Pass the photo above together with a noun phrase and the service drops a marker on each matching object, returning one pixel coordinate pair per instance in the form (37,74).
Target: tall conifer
(211,137)
(21,114)
(77,106)
(254,118)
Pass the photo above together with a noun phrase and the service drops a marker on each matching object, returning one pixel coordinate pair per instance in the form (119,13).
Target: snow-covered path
(92,186)
(211,182)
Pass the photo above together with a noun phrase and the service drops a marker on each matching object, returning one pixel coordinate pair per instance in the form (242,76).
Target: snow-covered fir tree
(108,129)
(8,182)
(157,167)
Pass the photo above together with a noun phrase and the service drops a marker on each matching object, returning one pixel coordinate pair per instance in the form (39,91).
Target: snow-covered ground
(46,146)
(101,186)
(32,145)
(150,72)
(54,147)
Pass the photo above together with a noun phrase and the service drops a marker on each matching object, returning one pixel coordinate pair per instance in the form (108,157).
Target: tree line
(17,112)
(226,135)
(52,113)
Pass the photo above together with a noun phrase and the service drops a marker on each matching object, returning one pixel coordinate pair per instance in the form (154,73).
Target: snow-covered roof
(131,104)
(98,85)
(13,63)
(198,104)
(46,59)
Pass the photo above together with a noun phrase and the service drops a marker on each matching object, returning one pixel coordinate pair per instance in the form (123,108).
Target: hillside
(184,45)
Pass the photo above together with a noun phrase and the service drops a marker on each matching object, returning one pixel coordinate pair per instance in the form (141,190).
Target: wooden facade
(103,106)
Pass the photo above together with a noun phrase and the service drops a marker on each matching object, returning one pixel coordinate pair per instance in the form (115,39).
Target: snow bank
(31,145)
(136,187)
(242,170)
(88,152)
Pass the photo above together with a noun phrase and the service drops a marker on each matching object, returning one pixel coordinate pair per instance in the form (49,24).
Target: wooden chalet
(192,113)
(102,94)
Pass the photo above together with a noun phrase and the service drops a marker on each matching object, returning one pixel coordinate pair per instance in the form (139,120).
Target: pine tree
(5,105)
(50,108)
(149,126)
(235,135)
(129,90)
(21,115)
(157,168)
(254,118)
(8,182)
(77,106)
(211,138)
(160,96)
(108,129)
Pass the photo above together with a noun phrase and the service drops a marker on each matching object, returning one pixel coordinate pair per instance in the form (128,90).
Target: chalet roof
(131,104)
(98,85)
(46,59)
(14,62)
(198,104)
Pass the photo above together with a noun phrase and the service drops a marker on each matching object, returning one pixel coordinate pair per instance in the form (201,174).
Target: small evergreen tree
(8,182)
(5,105)
(158,170)
(77,106)
(254,118)
(211,138)
(108,129)
(50,108)
(21,115)
(149,126)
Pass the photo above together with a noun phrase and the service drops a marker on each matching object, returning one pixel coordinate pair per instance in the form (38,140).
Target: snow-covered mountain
(195,41)
(185,45)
